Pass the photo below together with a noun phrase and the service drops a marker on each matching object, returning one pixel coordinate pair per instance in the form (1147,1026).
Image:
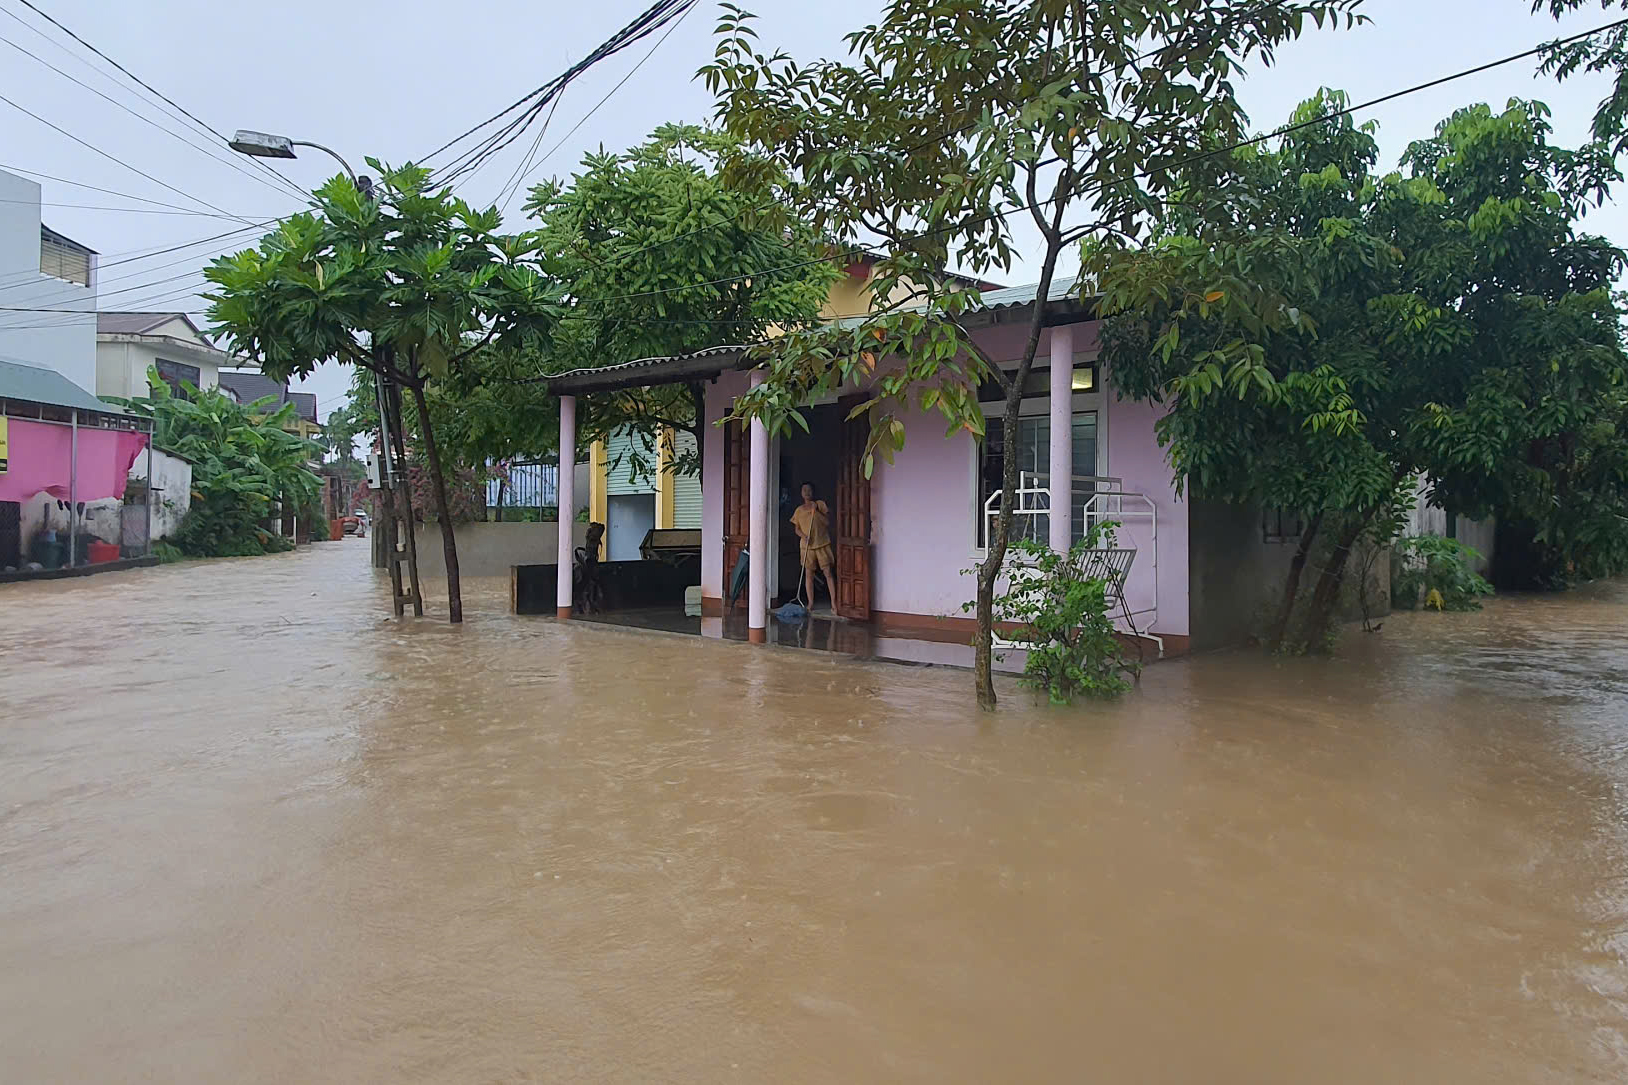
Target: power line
(280,190)
(155,91)
(527,167)
(111,158)
(97,188)
(1251,141)
(466,163)
(124,210)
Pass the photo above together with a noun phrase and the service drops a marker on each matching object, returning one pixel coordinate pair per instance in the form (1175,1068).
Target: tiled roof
(246,387)
(139,323)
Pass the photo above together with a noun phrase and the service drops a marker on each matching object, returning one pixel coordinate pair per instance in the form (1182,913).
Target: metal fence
(522,489)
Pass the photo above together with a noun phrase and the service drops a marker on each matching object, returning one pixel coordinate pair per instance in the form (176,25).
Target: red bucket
(102,552)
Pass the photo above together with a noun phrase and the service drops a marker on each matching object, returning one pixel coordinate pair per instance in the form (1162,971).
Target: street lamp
(265,145)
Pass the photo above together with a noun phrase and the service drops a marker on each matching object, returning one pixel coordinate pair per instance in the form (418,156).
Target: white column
(757,582)
(565,498)
(1062,437)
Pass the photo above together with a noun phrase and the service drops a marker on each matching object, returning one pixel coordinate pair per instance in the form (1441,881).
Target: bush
(321,530)
(1431,571)
(1060,615)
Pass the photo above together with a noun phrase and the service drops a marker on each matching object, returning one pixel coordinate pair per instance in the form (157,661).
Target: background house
(128,345)
(248,385)
(47,289)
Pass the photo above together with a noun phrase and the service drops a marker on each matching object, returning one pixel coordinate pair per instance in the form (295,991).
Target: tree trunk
(1292,588)
(990,570)
(438,486)
(1320,615)
(502,485)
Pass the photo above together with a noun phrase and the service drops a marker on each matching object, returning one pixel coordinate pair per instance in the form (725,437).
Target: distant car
(355,524)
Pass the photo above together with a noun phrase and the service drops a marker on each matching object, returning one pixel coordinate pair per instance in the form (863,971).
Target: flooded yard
(252,830)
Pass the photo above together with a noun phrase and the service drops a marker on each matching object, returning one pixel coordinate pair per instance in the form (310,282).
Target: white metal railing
(1104,501)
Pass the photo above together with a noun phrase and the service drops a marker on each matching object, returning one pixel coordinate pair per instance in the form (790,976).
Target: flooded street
(252,832)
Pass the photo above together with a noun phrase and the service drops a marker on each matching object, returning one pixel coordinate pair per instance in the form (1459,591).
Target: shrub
(1059,617)
(1433,571)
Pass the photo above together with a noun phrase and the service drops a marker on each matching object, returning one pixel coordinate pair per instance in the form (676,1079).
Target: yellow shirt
(813,524)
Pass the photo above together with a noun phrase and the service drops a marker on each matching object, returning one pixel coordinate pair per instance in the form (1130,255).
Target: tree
(1606,52)
(408,284)
(1323,335)
(952,120)
(659,255)
(244,465)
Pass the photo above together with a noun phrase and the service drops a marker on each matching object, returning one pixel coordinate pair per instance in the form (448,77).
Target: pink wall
(1135,457)
(923,514)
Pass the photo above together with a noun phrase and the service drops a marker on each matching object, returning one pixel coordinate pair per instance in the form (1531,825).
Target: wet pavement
(252,832)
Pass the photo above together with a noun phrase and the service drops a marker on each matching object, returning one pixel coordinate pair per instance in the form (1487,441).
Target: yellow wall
(599,484)
(666,480)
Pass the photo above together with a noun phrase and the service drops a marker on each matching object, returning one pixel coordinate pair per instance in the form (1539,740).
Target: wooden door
(737,508)
(853,519)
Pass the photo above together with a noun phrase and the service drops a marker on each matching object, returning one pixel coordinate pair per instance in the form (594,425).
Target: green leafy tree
(1605,53)
(957,126)
(245,466)
(408,284)
(660,255)
(1324,335)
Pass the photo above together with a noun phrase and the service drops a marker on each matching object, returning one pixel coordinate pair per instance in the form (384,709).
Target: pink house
(908,538)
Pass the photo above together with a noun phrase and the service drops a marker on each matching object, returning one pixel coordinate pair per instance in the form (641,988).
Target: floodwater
(249,831)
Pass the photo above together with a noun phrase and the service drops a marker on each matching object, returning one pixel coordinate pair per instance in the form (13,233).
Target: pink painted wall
(1134,456)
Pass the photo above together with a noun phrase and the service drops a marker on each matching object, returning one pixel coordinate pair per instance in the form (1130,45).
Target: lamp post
(265,145)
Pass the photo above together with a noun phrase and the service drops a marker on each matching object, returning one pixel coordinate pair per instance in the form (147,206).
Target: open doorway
(814,458)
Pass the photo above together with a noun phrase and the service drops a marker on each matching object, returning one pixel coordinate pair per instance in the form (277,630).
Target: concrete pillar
(1061,464)
(757,583)
(566,491)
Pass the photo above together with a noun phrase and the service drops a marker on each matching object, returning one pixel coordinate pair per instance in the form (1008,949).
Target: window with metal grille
(173,373)
(64,262)
(1281,525)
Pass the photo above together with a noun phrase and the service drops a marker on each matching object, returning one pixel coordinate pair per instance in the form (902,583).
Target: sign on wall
(5,453)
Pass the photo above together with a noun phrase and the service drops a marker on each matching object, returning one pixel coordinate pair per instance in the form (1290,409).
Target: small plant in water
(1436,573)
(1057,613)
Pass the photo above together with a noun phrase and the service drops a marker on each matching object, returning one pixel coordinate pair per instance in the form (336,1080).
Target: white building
(47,289)
(128,345)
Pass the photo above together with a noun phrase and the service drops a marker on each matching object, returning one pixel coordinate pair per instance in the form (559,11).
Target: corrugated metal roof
(48,234)
(684,367)
(32,384)
(248,387)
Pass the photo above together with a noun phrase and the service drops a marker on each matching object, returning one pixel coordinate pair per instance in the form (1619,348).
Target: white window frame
(1031,407)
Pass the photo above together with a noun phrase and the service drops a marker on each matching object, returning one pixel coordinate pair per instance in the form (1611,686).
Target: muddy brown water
(251,832)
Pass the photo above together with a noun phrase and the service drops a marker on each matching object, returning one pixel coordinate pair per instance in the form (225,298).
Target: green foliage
(245,465)
(953,127)
(167,552)
(1431,570)
(321,529)
(1324,334)
(663,257)
(1598,53)
(1060,619)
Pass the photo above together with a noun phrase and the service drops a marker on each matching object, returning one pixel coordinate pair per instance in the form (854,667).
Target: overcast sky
(395,80)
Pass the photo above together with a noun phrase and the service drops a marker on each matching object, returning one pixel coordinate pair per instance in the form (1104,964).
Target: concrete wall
(1237,578)
(122,363)
(491,549)
(63,342)
(171,493)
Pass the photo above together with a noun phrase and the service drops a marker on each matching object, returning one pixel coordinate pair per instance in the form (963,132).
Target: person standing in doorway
(812,519)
